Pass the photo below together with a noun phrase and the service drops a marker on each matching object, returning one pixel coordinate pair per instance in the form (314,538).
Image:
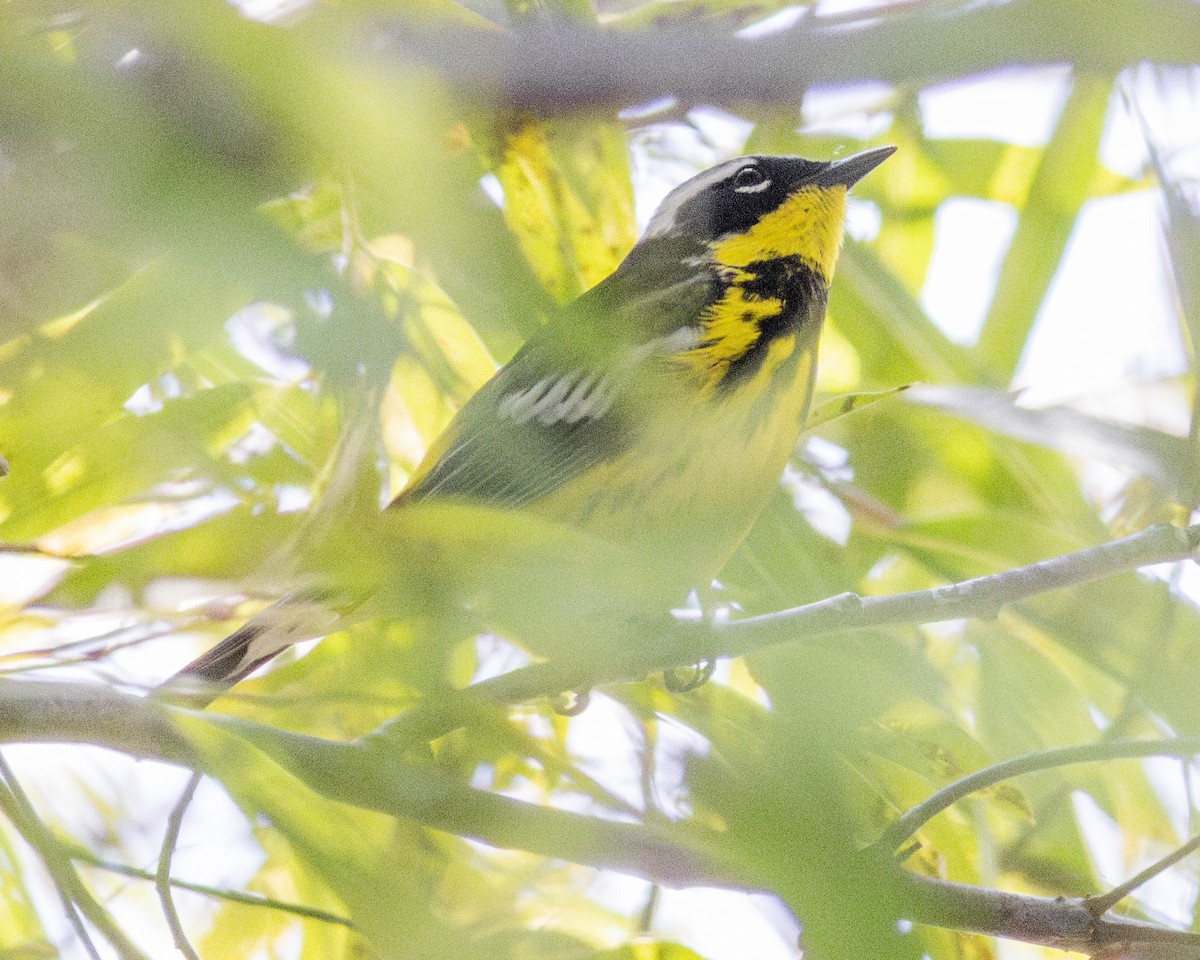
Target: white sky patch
(824,512)
(1167,776)
(863,219)
(619,891)
(263,333)
(1122,147)
(150,397)
(723,131)
(492,189)
(857,111)
(674,745)
(970,239)
(777,22)
(272,11)
(24,577)
(1165,101)
(1019,108)
(1103,838)
(832,460)
(606,743)
(1108,315)
(648,108)
(1189,582)
(833,8)
(664,155)
(495,656)
(292,498)
(721,925)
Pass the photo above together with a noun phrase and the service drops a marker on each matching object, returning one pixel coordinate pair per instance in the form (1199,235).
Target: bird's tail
(263,637)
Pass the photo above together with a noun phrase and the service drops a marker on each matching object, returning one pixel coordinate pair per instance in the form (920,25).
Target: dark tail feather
(262,638)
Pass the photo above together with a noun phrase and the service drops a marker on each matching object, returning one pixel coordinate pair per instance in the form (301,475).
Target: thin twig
(688,643)
(162,880)
(978,598)
(77,899)
(670,855)
(1102,903)
(15,803)
(916,817)
(82,855)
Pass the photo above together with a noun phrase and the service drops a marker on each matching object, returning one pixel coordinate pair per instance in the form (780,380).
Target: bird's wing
(561,405)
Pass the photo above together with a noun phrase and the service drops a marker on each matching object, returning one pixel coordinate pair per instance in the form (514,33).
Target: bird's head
(759,207)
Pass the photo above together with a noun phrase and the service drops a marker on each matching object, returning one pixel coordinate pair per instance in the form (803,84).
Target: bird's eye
(749,180)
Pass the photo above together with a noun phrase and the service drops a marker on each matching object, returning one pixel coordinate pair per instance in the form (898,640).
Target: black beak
(849,171)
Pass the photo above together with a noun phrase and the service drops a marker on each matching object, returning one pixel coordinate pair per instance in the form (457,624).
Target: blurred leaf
(1168,459)
(656,950)
(892,333)
(239,244)
(845,405)
(567,201)
(1005,172)
(21,933)
(352,851)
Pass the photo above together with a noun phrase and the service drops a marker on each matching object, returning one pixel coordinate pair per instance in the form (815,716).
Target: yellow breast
(689,487)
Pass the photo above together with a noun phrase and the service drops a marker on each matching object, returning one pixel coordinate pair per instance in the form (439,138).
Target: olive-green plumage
(657,411)
(660,408)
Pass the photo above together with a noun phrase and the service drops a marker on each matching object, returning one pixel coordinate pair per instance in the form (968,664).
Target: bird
(648,421)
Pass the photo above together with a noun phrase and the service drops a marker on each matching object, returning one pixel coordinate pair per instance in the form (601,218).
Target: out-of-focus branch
(559,67)
(1104,902)
(78,902)
(362,775)
(1065,923)
(981,597)
(916,817)
(38,711)
(162,878)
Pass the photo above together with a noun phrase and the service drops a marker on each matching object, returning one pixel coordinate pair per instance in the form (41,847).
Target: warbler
(657,411)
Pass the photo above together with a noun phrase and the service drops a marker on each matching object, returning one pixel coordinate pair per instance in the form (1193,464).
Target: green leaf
(1170,460)
(847,404)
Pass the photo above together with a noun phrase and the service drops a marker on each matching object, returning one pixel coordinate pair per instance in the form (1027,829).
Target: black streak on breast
(801,292)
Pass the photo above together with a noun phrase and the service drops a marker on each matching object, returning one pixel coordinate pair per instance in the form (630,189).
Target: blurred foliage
(251,268)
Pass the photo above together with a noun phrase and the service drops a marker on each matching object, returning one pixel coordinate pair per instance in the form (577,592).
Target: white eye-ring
(750,180)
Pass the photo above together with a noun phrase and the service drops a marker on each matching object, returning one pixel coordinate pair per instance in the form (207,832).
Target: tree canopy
(256,256)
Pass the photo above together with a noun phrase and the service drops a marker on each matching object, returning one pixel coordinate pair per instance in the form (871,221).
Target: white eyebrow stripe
(755,188)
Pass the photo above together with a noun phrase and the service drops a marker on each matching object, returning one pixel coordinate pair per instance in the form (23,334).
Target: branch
(82,855)
(1102,903)
(1059,922)
(689,643)
(77,899)
(557,67)
(162,877)
(916,817)
(672,855)
(978,598)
